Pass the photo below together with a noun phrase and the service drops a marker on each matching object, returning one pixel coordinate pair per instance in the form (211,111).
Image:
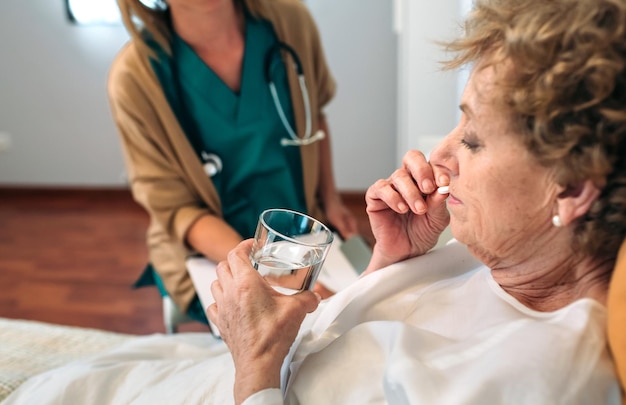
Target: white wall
(361,48)
(53,101)
(428,97)
(52,97)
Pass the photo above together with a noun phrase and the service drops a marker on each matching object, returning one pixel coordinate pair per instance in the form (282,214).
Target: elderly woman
(511,312)
(537,193)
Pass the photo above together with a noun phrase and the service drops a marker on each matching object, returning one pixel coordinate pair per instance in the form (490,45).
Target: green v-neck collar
(196,76)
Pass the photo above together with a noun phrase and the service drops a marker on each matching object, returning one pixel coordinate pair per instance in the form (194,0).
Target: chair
(616,307)
(173,316)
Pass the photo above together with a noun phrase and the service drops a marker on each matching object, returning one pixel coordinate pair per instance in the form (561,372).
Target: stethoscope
(307,139)
(211,163)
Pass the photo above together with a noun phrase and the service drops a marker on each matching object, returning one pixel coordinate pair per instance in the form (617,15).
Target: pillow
(616,306)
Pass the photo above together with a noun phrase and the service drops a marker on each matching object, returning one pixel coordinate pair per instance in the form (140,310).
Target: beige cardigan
(165,175)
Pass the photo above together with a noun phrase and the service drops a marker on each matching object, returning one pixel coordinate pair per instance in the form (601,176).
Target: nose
(443,156)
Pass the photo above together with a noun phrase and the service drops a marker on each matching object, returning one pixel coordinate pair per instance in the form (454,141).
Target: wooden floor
(70,257)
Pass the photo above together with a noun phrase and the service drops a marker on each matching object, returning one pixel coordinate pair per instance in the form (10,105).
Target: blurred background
(55,124)
(72,240)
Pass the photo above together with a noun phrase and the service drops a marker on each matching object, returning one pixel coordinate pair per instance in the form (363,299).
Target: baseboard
(99,195)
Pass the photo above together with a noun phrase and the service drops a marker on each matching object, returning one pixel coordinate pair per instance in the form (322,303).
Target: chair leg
(173,316)
(169,309)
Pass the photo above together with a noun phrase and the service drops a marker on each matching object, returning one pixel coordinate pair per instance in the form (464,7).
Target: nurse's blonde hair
(139,20)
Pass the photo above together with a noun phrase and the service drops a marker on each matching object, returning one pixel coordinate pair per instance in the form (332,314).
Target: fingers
(352,227)
(308,299)
(322,291)
(211,313)
(410,190)
(411,187)
(415,163)
(383,195)
(239,289)
(239,259)
(349,227)
(235,270)
(342,219)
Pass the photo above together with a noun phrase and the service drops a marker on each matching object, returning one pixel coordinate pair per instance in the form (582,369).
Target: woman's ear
(576,200)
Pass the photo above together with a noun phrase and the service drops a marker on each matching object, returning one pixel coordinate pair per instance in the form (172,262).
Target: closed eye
(469,145)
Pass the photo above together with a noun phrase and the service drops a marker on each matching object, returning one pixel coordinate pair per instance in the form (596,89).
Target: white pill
(443,190)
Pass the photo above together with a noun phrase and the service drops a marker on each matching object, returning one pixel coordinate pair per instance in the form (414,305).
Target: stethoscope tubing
(308,138)
(211,163)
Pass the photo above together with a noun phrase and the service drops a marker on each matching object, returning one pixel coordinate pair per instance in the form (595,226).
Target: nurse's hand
(257,323)
(340,217)
(406,213)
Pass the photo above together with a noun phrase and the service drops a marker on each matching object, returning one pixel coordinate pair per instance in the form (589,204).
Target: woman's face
(500,198)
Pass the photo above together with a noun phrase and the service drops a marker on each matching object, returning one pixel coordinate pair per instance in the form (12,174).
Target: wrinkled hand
(406,213)
(257,323)
(341,218)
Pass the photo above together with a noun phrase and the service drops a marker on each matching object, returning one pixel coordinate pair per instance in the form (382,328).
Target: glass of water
(289,249)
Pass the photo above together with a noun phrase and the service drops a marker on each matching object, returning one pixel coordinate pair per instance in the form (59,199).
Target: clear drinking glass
(289,249)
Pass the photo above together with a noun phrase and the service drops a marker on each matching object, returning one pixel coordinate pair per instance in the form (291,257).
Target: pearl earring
(155,5)
(556,221)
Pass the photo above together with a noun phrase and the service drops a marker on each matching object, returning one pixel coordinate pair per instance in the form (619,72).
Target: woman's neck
(215,32)
(551,284)
(214,26)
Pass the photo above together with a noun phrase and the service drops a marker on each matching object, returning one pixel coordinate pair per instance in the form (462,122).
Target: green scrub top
(243,129)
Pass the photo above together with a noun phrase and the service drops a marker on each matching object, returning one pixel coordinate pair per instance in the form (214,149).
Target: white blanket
(435,329)
(28,348)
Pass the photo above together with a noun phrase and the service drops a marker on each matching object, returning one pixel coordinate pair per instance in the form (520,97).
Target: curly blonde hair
(567,88)
(139,19)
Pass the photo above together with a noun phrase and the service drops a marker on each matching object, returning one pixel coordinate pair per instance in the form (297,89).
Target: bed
(29,347)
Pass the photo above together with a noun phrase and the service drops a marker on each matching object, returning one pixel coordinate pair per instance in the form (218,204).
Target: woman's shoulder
(129,73)
(291,6)
(293,11)
(125,61)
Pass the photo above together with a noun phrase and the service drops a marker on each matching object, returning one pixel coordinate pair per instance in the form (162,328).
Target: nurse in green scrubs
(241,127)
(209,58)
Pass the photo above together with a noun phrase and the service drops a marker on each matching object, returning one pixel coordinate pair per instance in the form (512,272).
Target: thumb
(435,200)
(309,300)
(438,210)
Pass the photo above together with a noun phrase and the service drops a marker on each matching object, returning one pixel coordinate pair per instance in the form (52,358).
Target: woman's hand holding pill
(407,211)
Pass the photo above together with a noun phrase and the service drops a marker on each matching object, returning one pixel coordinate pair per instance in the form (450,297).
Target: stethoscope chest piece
(212,164)
(319,135)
